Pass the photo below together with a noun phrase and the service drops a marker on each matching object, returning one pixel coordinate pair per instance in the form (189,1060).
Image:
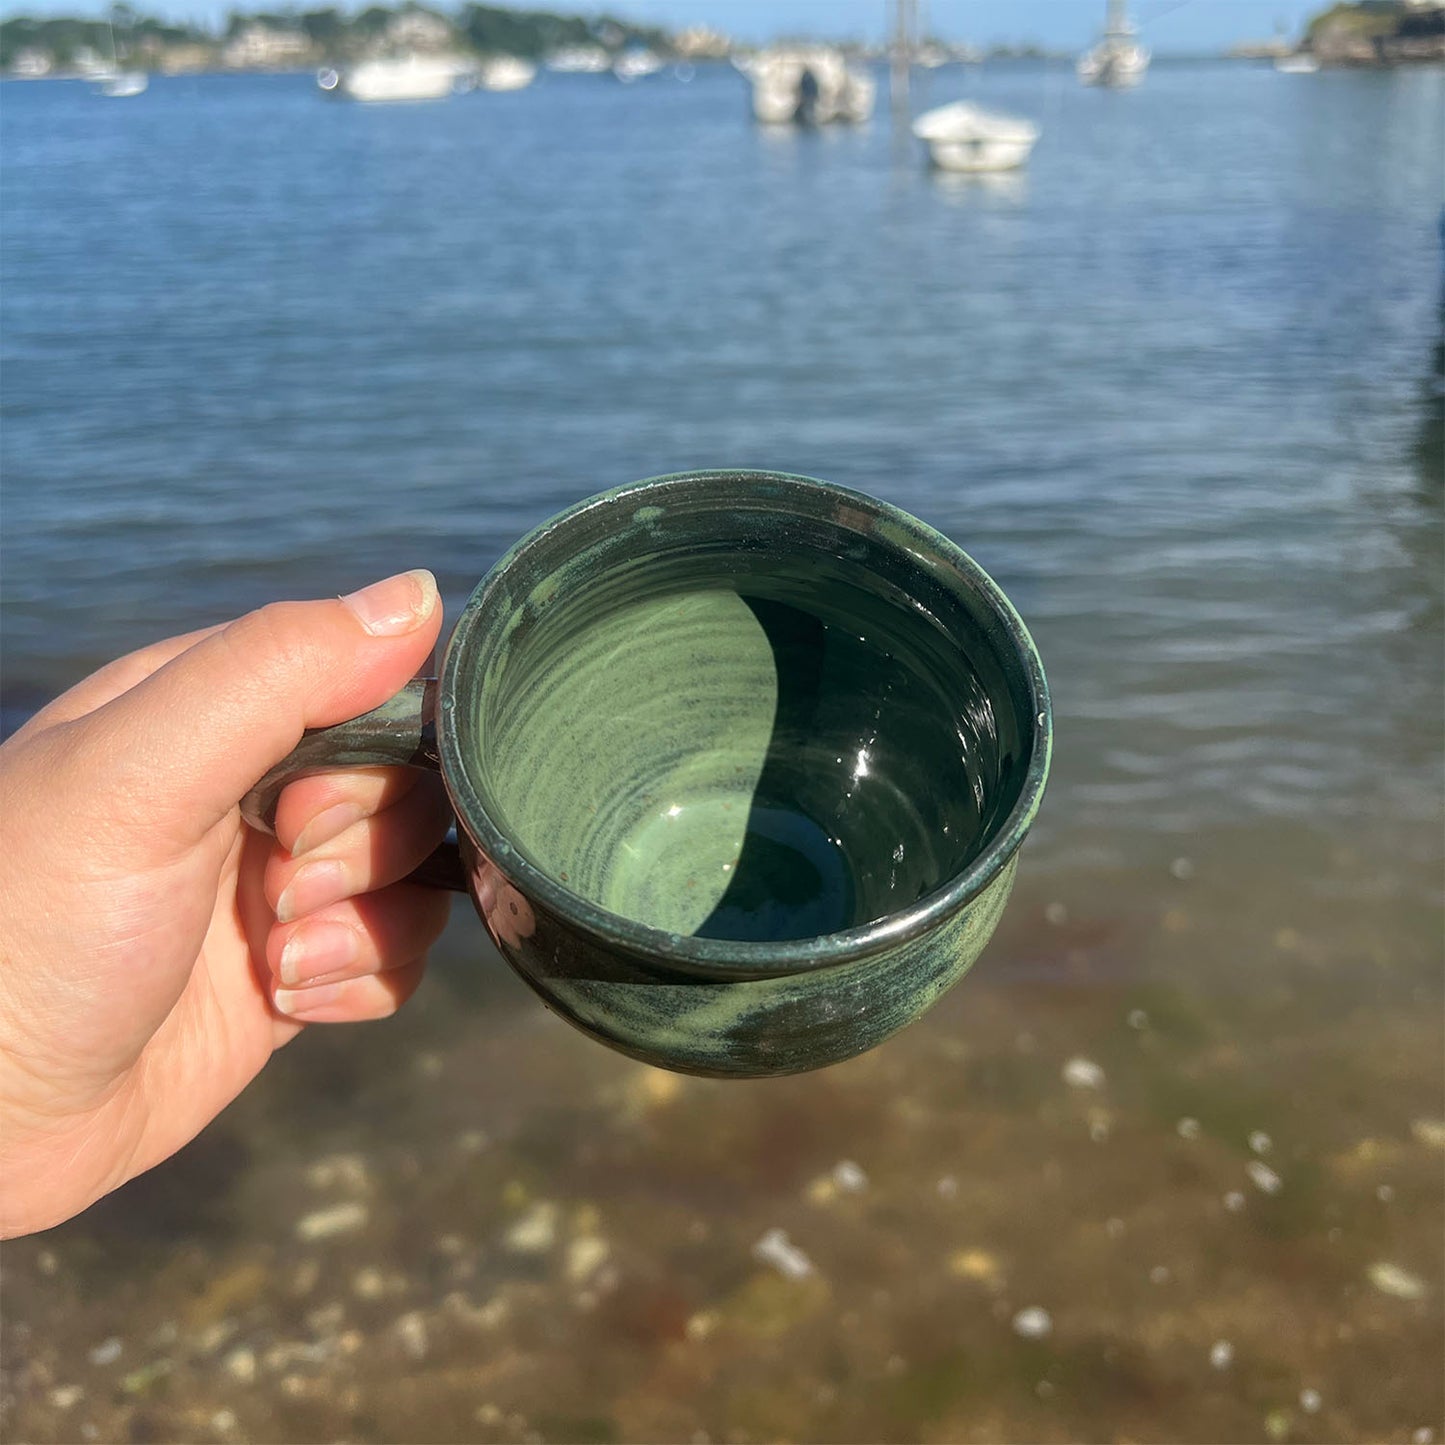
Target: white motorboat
(580,60)
(506,72)
(1119,60)
(637,65)
(966,137)
(414,77)
(120,84)
(809,86)
(1301,63)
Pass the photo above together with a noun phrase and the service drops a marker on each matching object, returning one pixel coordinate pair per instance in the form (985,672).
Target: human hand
(154,951)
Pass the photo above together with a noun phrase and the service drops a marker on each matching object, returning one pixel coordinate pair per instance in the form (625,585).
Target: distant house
(32,62)
(699,42)
(419,30)
(265,47)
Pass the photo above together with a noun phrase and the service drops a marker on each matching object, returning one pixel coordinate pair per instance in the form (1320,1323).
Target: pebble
(487,1415)
(1159,1274)
(947,1187)
(293,1386)
(536,1231)
(1182,869)
(1082,1073)
(66,1397)
(776,1249)
(1033,1323)
(702,1324)
(849,1177)
(1423,1436)
(1390,1279)
(1310,1401)
(108,1352)
(47,1262)
(340,1171)
(1138,1019)
(368,1283)
(1385,1194)
(1057,914)
(1044,1389)
(1260,1142)
(976,1264)
(328,1223)
(214,1336)
(1114,1228)
(89,1431)
(1234,1201)
(1276,1424)
(1263,1177)
(1188,1128)
(585,1256)
(224,1421)
(1221,1354)
(410,1329)
(240,1365)
(896,1365)
(1429,1132)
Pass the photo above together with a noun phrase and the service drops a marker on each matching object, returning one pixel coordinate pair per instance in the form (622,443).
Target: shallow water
(1177,388)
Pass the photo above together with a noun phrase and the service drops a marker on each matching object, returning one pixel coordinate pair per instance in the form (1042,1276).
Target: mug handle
(399,733)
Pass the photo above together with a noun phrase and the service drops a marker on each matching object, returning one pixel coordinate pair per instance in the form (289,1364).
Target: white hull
(970,140)
(580,60)
(506,72)
(378,81)
(122,84)
(809,87)
(1297,65)
(1116,63)
(636,65)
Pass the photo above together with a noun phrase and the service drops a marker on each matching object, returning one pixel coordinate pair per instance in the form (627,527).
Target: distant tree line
(489,29)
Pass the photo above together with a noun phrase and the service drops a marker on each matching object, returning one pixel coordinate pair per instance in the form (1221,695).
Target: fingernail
(326,825)
(317,949)
(313,887)
(299,1003)
(397,605)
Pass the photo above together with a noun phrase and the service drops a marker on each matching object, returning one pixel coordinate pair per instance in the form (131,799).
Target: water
(1176,388)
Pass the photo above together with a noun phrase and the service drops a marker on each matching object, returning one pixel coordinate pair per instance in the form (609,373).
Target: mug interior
(752,711)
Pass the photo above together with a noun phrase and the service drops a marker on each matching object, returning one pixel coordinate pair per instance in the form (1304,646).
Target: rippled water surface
(1167,1165)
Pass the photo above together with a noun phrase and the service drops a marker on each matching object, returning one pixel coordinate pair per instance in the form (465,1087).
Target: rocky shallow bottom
(1170,1170)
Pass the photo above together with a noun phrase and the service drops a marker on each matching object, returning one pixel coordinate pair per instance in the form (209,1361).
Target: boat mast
(905,37)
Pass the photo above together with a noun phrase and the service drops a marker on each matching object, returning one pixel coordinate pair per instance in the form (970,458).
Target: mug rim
(739,958)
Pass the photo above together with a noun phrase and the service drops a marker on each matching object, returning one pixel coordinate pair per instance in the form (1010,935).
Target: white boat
(120,84)
(415,77)
(637,65)
(966,137)
(1119,60)
(809,86)
(506,72)
(580,60)
(108,78)
(1301,63)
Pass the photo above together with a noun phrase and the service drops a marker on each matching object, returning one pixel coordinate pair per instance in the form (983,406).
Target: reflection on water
(1168,1164)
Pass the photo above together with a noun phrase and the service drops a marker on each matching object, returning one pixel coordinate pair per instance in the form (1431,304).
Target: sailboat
(1118,60)
(113,82)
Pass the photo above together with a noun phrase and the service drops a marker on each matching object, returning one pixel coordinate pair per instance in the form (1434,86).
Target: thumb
(190,740)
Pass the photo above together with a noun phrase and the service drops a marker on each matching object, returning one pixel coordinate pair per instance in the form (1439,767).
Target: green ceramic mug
(741,765)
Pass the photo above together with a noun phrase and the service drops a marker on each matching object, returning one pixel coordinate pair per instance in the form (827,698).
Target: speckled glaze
(741,763)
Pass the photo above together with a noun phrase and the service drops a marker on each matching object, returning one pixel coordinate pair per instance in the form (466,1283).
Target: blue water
(1169,385)
(1177,387)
